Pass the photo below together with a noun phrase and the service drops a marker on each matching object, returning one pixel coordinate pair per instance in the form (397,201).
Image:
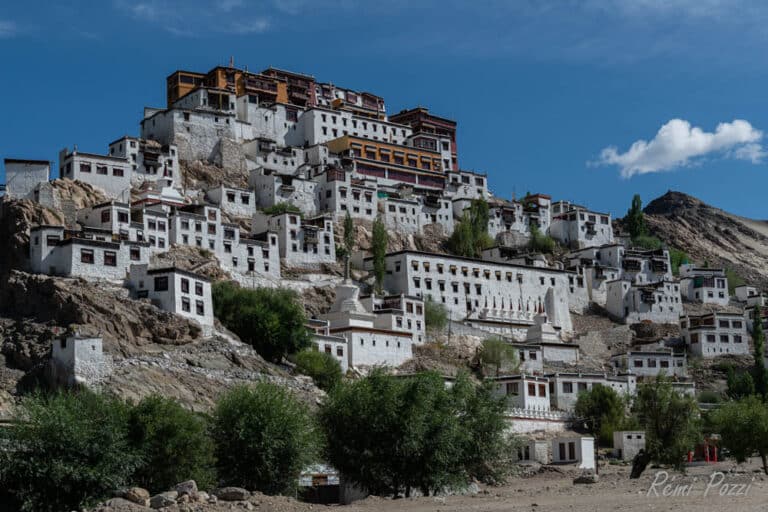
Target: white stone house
(704,285)
(524,391)
(533,450)
(715,334)
(537,208)
(320,125)
(367,345)
(507,217)
(462,184)
(275,188)
(628,443)
(401,215)
(543,335)
(108,173)
(56,251)
(495,292)
(78,360)
(564,388)
(340,193)
(323,341)
(23,176)
(150,161)
(302,242)
(649,363)
(152,224)
(657,302)
(574,450)
(234,201)
(175,290)
(112,216)
(397,313)
(530,357)
(750,296)
(641,266)
(575,226)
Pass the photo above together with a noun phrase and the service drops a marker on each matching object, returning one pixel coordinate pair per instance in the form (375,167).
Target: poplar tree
(379,249)
(758,337)
(635,219)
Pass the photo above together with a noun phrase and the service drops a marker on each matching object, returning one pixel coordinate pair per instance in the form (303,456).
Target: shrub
(647,242)
(635,218)
(743,426)
(734,280)
(497,353)
(324,369)
(602,411)
(173,443)
(677,258)
(540,242)
(470,234)
(709,397)
(435,315)
(264,438)
(270,319)
(67,451)
(282,207)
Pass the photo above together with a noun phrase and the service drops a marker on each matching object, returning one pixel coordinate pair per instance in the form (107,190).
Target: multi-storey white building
(523,391)
(320,125)
(750,296)
(113,216)
(108,173)
(23,176)
(511,294)
(302,242)
(575,226)
(649,363)
(56,251)
(150,161)
(322,340)
(340,192)
(276,188)
(234,201)
(715,334)
(631,302)
(466,185)
(172,289)
(398,313)
(412,214)
(564,388)
(705,285)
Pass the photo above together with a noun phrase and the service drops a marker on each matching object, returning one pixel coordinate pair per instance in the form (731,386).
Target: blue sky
(587,100)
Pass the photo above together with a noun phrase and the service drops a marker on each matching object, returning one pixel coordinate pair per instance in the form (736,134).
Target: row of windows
(663,363)
(712,338)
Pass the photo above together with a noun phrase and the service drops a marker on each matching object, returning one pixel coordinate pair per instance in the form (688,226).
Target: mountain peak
(673,202)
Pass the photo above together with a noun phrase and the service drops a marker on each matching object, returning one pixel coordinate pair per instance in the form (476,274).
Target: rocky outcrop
(16,217)
(201,176)
(711,235)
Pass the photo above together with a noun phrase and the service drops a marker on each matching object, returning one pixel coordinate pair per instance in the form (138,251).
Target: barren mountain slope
(711,235)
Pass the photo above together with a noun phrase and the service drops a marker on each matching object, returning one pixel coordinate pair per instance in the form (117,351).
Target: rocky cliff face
(711,235)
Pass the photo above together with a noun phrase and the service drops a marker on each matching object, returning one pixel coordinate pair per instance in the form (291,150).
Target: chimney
(231,61)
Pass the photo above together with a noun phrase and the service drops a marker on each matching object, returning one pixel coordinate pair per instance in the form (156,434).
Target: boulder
(123,505)
(137,495)
(164,499)
(232,494)
(189,487)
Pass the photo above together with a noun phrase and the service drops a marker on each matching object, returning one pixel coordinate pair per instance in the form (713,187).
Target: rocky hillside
(711,235)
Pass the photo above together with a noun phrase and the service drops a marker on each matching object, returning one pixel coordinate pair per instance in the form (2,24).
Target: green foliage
(740,384)
(677,258)
(390,435)
(670,420)
(602,410)
(647,242)
(264,438)
(743,427)
(270,319)
(349,233)
(470,234)
(435,315)
(540,242)
(759,373)
(280,208)
(324,369)
(173,443)
(67,451)
(497,353)
(734,280)
(709,397)
(379,241)
(635,219)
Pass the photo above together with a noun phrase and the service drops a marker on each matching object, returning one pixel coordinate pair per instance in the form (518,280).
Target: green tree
(635,219)
(740,384)
(435,315)
(270,319)
(264,438)
(66,451)
(734,280)
(173,443)
(462,240)
(670,420)
(539,242)
(743,427)
(379,241)
(677,258)
(497,353)
(391,435)
(281,207)
(758,338)
(349,233)
(602,411)
(324,369)
(470,234)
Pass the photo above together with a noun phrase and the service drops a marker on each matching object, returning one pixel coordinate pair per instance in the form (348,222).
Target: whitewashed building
(628,443)
(78,361)
(565,387)
(323,341)
(462,184)
(301,242)
(275,188)
(704,285)
(367,345)
(150,161)
(487,292)
(750,296)
(398,313)
(631,302)
(575,226)
(649,363)
(175,290)
(715,334)
(23,176)
(533,450)
(234,201)
(574,450)
(108,173)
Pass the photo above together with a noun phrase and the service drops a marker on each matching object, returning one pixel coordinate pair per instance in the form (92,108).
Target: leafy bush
(264,438)
(709,397)
(324,369)
(647,242)
(677,258)
(173,443)
(734,280)
(282,207)
(435,315)
(635,218)
(470,234)
(270,319)
(67,451)
(391,435)
(379,240)
(602,411)
(740,384)
(743,426)
(497,353)
(540,242)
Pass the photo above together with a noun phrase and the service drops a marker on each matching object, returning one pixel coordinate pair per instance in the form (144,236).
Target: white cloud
(256,26)
(8,29)
(678,144)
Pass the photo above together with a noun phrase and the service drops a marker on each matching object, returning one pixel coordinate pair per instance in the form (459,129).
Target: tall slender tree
(758,337)
(635,219)
(379,249)
(349,233)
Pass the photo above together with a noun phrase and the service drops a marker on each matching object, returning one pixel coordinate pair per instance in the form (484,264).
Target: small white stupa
(541,331)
